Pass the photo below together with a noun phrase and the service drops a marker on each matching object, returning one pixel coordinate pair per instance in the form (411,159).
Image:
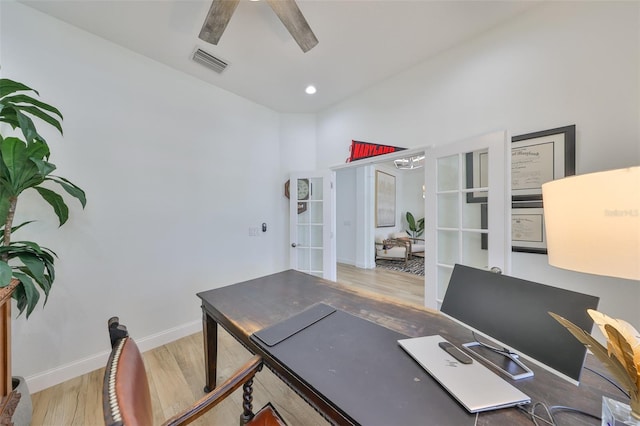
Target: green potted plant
(24,164)
(416,228)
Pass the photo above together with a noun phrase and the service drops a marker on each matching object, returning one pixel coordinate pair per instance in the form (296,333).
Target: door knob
(294,245)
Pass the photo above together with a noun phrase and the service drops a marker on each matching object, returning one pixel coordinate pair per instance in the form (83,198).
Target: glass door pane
(311,231)
(460,184)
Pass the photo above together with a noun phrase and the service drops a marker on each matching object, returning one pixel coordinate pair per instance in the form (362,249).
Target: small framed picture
(385,199)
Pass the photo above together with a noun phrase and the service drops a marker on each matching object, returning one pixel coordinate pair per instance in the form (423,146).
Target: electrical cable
(503,351)
(534,417)
(573,410)
(608,380)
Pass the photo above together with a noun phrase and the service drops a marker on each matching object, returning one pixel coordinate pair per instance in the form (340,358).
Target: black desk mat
(278,332)
(359,366)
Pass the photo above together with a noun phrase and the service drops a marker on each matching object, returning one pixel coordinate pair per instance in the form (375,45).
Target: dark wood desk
(246,307)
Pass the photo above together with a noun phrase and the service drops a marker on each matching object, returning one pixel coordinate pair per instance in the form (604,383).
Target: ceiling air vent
(209,61)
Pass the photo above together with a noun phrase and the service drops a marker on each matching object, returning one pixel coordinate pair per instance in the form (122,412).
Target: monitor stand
(506,362)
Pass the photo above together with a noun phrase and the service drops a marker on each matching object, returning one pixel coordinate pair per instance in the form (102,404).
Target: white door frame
(365,175)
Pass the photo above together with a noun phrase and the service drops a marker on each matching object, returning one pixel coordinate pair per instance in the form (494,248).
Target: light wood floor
(176,371)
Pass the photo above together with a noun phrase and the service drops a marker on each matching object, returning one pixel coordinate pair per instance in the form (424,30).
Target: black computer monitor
(515,313)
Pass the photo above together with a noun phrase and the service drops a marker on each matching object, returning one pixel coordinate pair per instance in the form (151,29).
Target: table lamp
(593,225)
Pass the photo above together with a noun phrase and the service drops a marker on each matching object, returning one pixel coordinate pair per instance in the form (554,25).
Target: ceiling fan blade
(217,19)
(292,18)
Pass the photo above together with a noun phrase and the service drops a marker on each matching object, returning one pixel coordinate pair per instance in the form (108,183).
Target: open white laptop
(475,386)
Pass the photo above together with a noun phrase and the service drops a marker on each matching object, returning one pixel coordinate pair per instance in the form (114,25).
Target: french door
(467,210)
(312,223)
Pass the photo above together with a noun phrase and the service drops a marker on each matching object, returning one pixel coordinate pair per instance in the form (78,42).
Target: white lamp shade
(593,222)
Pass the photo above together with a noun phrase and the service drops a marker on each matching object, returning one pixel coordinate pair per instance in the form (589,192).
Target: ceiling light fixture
(310,90)
(409,163)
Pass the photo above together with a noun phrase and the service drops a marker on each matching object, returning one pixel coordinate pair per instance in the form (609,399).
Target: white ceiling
(361,42)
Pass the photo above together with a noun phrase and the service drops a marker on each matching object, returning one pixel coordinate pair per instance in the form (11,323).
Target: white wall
(562,63)
(175,172)
(412,200)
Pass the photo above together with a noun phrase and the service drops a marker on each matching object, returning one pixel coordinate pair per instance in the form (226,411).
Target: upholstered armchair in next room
(416,244)
(392,249)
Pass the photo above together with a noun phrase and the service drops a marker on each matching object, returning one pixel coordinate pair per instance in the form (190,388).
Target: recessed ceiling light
(310,90)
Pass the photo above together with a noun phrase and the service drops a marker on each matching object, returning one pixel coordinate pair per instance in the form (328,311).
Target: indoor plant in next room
(24,164)
(416,227)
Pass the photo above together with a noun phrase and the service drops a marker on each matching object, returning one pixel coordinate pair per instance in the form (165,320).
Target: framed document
(541,157)
(527,227)
(536,158)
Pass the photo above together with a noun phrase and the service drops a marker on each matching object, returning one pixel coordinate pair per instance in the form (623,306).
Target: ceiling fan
(287,10)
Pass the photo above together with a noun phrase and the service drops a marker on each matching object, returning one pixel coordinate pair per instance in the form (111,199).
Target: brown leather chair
(126,400)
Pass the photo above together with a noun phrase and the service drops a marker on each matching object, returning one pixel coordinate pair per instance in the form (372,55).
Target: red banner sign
(360,150)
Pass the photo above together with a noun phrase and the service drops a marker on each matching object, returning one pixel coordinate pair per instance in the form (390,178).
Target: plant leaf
(44,284)
(27,126)
(29,299)
(71,189)
(17,109)
(20,297)
(38,151)
(8,86)
(5,274)
(411,221)
(35,266)
(56,201)
(17,247)
(40,114)
(17,171)
(28,249)
(43,167)
(13,152)
(24,99)
(15,228)
(8,115)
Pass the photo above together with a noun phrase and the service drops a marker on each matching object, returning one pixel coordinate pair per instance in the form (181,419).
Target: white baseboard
(40,381)
(363,265)
(346,261)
